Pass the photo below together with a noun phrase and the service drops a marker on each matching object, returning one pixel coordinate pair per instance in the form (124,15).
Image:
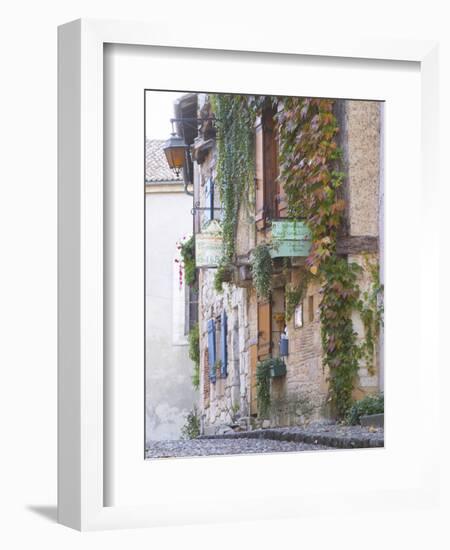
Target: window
(217,340)
(298,316)
(270,197)
(310,309)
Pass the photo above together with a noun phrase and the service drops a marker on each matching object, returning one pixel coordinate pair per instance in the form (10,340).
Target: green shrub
(371,404)
(191,428)
(223,275)
(187,251)
(263,386)
(194,354)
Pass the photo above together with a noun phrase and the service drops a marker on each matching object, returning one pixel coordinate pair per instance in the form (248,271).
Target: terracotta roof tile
(156,168)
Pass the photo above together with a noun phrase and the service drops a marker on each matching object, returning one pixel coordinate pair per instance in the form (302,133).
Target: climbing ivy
(340,297)
(310,171)
(220,276)
(262,270)
(295,294)
(309,161)
(371,310)
(187,264)
(235,165)
(194,354)
(263,386)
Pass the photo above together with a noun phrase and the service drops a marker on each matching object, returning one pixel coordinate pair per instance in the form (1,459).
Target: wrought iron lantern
(175,150)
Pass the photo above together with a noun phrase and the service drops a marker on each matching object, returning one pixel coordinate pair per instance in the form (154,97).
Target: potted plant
(277,367)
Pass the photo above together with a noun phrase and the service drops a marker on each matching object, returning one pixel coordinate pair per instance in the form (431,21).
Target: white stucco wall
(169,392)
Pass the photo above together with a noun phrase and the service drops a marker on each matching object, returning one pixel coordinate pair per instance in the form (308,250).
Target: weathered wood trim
(357,244)
(201,148)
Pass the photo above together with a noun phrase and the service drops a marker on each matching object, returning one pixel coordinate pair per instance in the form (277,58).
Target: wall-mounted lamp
(175,150)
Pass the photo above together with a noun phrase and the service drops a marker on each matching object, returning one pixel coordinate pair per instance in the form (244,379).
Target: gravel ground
(211,447)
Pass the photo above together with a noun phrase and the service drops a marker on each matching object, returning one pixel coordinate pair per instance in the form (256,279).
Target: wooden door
(253,362)
(264,329)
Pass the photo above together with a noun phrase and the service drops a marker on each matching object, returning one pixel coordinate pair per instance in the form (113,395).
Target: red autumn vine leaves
(309,157)
(309,171)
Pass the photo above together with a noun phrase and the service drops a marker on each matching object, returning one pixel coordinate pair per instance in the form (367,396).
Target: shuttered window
(223,344)
(282,204)
(271,200)
(270,164)
(212,349)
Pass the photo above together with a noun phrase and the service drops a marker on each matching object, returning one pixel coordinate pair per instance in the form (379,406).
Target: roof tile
(156,168)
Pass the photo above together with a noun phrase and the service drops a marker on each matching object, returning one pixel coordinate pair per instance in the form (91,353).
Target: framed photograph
(234,277)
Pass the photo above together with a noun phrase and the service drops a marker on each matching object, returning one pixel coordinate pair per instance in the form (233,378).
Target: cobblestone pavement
(211,447)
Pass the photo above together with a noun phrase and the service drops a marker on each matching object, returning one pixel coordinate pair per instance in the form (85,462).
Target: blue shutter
(211,199)
(223,344)
(212,350)
(209,202)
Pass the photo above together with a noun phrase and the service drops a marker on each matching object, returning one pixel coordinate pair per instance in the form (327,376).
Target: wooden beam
(357,244)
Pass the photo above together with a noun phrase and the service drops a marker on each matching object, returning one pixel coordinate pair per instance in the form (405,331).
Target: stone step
(374,420)
(337,441)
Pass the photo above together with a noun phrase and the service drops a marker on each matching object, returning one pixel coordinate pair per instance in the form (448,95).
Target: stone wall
(306,379)
(362,143)
(368,375)
(226,399)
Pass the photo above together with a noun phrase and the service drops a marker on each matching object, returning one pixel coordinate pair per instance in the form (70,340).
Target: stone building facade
(237,329)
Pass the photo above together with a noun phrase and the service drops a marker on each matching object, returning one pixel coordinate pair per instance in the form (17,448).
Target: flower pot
(279,369)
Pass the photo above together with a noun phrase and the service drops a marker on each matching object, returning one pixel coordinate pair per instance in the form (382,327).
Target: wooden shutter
(264,329)
(282,205)
(212,349)
(259,176)
(270,164)
(223,344)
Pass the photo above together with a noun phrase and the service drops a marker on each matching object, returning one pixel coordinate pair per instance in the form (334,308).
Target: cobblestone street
(316,437)
(211,447)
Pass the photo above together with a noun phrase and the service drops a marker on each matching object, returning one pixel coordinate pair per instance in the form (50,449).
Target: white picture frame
(84,401)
